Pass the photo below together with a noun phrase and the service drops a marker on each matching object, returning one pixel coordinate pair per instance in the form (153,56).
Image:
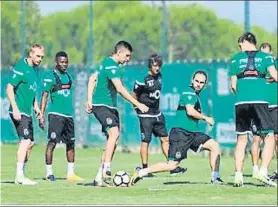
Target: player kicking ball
(186,134)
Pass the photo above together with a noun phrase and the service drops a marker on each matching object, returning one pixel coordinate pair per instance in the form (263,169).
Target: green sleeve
(269,61)
(112,71)
(188,98)
(48,82)
(16,76)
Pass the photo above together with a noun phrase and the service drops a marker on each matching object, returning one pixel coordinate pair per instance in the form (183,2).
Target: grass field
(193,187)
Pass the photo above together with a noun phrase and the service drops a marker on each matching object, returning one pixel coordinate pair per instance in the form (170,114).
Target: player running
(148,92)
(21,92)
(248,70)
(57,84)
(103,87)
(186,135)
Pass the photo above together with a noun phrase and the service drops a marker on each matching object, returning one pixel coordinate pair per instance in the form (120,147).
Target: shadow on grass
(7,182)
(45,179)
(208,183)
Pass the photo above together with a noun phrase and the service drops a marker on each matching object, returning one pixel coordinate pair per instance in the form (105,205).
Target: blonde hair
(35,45)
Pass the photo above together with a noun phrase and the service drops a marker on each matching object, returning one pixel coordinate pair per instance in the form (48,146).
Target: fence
(217,101)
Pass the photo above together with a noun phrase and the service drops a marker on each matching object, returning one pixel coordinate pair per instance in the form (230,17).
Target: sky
(262,13)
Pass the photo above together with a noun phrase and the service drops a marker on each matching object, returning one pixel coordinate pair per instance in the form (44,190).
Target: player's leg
(160,130)
(214,160)
(146,128)
(243,123)
(255,154)
(267,130)
(274,111)
(68,138)
(28,154)
(55,128)
(49,159)
(179,144)
(24,130)
(113,135)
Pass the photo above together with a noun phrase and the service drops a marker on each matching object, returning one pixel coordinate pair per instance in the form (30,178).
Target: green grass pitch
(193,187)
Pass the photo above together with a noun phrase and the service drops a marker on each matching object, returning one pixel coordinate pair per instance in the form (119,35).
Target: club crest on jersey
(109,120)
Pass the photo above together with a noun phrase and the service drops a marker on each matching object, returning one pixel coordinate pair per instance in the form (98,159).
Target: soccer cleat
(107,178)
(266,180)
(238,182)
(217,181)
(74,178)
(50,178)
(150,175)
(178,170)
(99,183)
(134,178)
(274,176)
(24,181)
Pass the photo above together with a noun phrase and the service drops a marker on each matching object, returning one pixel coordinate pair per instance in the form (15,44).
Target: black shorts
(152,125)
(274,117)
(107,117)
(253,115)
(182,140)
(60,129)
(24,127)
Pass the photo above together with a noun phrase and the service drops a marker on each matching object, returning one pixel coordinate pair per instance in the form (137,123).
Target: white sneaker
(24,181)
(255,174)
(265,179)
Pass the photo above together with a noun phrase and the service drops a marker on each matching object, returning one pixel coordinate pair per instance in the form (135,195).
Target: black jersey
(148,92)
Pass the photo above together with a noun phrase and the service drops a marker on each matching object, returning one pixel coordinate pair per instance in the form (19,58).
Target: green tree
(10,29)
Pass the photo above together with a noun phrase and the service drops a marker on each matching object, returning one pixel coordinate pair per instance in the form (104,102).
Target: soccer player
(248,70)
(148,92)
(273,99)
(57,84)
(21,92)
(103,87)
(186,135)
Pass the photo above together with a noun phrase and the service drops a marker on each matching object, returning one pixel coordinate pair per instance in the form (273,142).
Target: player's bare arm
(124,93)
(91,87)
(194,113)
(273,73)
(43,107)
(234,83)
(37,109)
(11,97)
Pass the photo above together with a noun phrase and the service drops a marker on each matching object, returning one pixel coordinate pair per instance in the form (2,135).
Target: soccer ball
(121,179)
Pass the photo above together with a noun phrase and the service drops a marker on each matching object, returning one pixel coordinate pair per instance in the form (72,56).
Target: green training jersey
(105,93)
(183,120)
(24,79)
(251,81)
(61,99)
(271,89)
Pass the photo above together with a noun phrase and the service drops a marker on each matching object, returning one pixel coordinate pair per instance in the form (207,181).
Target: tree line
(194,31)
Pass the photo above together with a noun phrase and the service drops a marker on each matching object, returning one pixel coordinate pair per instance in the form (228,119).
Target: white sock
(49,170)
(19,169)
(142,173)
(70,168)
(99,174)
(107,166)
(255,168)
(239,174)
(263,171)
(215,175)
